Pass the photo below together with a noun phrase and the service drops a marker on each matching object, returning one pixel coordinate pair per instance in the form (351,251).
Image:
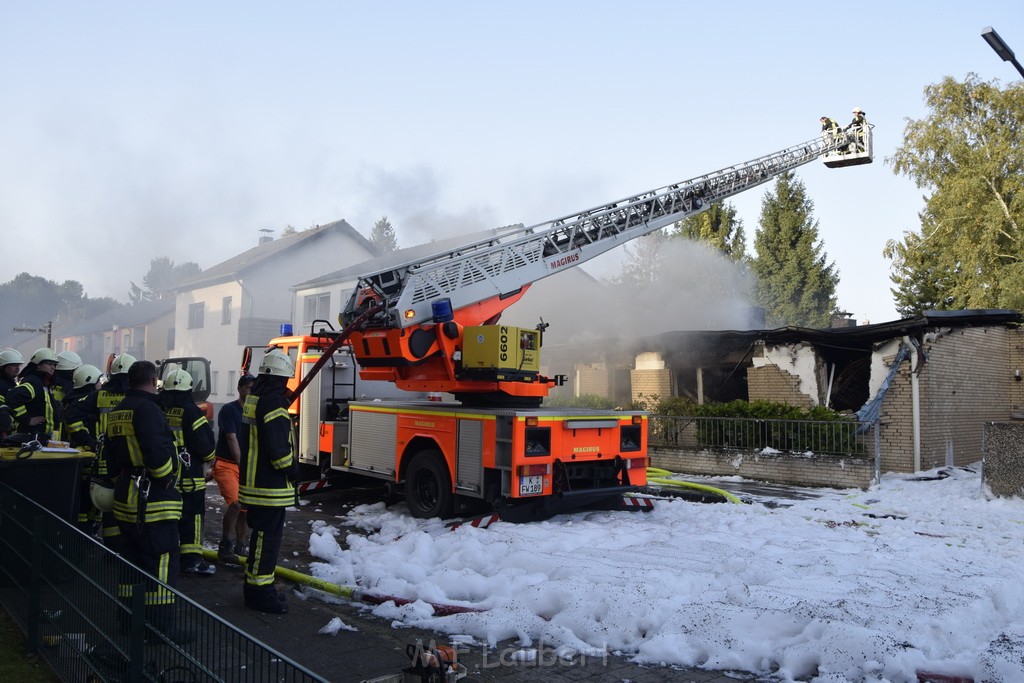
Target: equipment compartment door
(372,442)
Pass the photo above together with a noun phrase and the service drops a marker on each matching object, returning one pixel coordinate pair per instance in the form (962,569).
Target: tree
(383,236)
(718,227)
(162,276)
(642,263)
(33,300)
(289,229)
(967,154)
(796,283)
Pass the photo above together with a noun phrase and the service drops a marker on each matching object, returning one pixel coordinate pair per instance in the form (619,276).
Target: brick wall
(772,383)
(593,378)
(650,383)
(780,468)
(966,380)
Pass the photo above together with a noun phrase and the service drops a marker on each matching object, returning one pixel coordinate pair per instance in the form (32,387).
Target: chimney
(842,319)
(267,236)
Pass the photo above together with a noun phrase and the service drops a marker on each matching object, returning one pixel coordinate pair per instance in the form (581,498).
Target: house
(931,382)
(244,300)
(144,330)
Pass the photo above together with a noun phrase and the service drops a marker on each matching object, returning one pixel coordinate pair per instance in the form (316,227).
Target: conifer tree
(717,227)
(796,283)
(383,236)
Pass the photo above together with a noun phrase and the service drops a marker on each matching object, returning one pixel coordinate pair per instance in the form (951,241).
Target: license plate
(531,486)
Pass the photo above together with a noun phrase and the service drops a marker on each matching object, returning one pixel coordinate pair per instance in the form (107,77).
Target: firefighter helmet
(101,491)
(276,362)
(10,357)
(121,364)
(44,355)
(68,360)
(177,380)
(85,374)
(858,110)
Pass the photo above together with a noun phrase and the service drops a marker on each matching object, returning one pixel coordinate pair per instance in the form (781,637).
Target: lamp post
(1001,48)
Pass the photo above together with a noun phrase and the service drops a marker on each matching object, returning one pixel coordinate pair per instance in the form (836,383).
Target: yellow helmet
(44,355)
(177,380)
(68,360)
(10,357)
(85,374)
(101,492)
(121,364)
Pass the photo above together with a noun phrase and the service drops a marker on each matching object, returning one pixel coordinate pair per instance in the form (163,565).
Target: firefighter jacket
(32,398)
(140,452)
(62,386)
(87,418)
(5,385)
(266,476)
(193,437)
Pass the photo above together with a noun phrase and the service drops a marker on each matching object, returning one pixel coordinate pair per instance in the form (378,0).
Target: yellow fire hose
(350,592)
(660,478)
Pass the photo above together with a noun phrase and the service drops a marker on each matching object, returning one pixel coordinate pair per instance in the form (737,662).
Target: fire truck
(431,327)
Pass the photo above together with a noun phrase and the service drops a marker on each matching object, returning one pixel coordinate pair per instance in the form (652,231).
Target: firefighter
(63,377)
(267,474)
(85,379)
(10,365)
(31,402)
(829,126)
(193,437)
(87,422)
(856,128)
(141,455)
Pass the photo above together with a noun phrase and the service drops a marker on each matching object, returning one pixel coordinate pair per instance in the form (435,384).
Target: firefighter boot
(192,564)
(265,599)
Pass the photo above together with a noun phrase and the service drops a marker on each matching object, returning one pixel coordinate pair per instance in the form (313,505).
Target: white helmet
(85,374)
(276,362)
(10,357)
(177,380)
(121,364)
(44,355)
(101,491)
(858,110)
(68,360)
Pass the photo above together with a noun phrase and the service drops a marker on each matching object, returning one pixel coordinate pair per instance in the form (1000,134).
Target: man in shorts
(232,441)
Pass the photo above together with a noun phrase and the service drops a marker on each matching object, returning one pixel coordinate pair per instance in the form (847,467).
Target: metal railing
(83,609)
(821,437)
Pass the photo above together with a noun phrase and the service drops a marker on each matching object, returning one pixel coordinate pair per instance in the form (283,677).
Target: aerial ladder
(407,340)
(432,326)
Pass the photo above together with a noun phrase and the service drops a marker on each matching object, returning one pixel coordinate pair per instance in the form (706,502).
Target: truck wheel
(428,488)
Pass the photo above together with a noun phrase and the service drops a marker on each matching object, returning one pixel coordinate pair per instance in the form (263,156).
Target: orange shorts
(226,475)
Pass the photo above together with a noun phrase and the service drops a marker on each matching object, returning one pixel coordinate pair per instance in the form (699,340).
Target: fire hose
(354,593)
(660,478)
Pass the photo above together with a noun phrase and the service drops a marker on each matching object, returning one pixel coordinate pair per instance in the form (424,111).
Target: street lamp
(1001,48)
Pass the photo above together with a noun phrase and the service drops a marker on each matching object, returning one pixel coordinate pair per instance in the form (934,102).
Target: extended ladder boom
(520,256)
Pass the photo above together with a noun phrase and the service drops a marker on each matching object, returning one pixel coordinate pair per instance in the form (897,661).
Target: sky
(137,130)
(836,585)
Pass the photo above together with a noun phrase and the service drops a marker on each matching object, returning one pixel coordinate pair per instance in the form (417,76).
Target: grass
(15,663)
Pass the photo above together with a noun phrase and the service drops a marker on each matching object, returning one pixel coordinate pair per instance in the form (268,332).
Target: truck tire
(428,487)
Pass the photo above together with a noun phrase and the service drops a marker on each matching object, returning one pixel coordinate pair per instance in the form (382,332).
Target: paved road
(377,649)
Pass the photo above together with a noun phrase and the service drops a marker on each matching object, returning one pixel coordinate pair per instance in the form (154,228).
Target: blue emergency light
(286,329)
(442,310)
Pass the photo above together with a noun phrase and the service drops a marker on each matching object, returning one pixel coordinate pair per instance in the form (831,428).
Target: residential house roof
(398,257)
(237,265)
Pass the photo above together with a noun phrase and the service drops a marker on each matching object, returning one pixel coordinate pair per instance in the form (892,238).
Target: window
(126,341)
(225,311)
(170,339)
(196,313)
(214,381)
(108,341)
(231,383)
(317,307)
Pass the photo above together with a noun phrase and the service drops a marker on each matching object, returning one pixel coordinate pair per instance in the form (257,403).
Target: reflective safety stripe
(251,577)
